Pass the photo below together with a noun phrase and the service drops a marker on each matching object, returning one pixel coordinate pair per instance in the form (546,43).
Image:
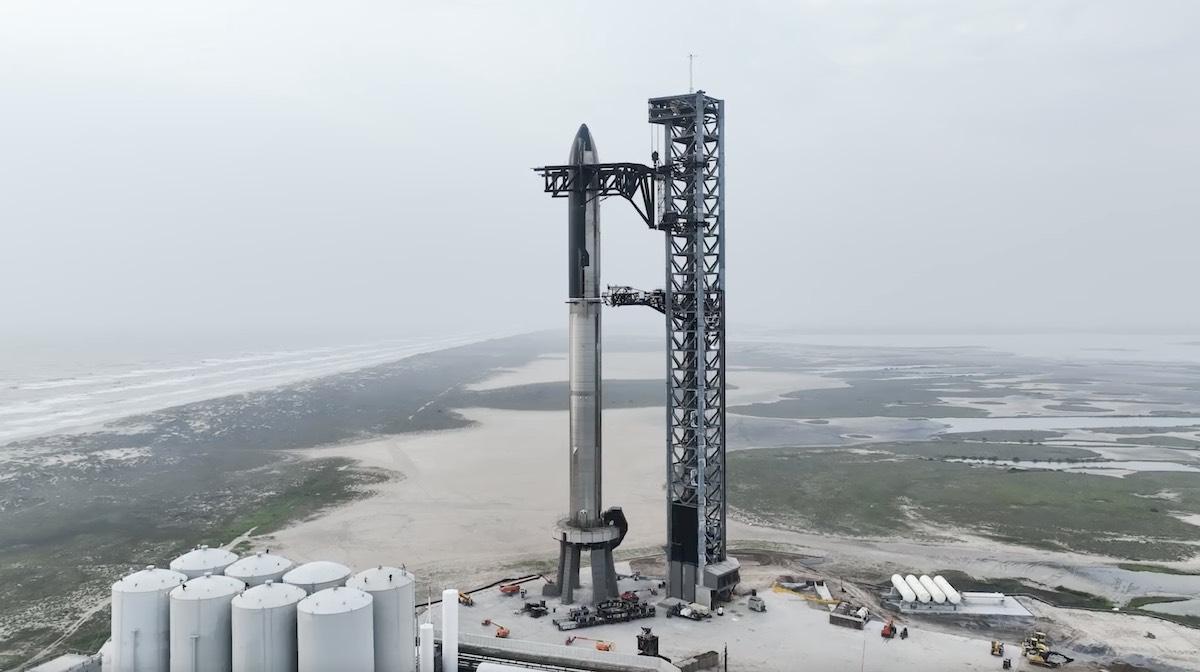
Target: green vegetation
(1077,407)
(894,398)
(1142,430)
(91,634)
(854,494)
(978,450)
(1002,435)
(1167,441)
(1141,601)
(1159,569)
(318,485)
(636,393)
(1059,595)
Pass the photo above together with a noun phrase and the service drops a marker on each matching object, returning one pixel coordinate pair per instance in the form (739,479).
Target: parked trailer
(847,616)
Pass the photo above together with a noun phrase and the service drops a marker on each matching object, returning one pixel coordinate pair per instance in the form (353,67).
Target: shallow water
(1062,422)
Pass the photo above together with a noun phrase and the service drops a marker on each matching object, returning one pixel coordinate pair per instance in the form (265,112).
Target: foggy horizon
(364,169)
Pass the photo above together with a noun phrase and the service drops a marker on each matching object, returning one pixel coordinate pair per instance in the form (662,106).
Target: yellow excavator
(1037,651)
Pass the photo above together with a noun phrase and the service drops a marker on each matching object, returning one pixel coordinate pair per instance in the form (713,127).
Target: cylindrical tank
(922,594)
(203,560)
(951,593)
(335,631)
(257,569)
(901,587)
(264,628)
(394,605)
(141,612)
(201,625)
(427,646)
(316,576)
(450,629)
(936,593)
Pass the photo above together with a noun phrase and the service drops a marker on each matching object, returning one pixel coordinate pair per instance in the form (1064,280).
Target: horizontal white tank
(264,628)
(392,593)
(257,569)
(951,593)
(922,594)
(316,576)
(141,616)
(201,625)
(936,593)
(335,631)
(203,560)
(901,587)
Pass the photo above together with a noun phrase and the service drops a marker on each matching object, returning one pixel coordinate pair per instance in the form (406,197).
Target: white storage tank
(392,592)
(951,593)
(203,560)
(316,576)
(335,631)
(901,587)
(936,593)
(257,569)
(922,594)
(141,612)
(201,626)
(264,628)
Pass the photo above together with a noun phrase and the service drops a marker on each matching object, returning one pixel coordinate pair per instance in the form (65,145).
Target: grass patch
(893,398)
(1158,569)
(1141,601)
(1003,435)
(92,634)
(633,393)
(977,450)
(862,495)
(320,484)
(1164,441)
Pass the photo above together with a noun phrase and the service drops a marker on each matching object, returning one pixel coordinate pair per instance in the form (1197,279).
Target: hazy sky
(364,166)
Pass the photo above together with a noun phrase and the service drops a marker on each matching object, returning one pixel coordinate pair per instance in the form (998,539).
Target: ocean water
(47,389)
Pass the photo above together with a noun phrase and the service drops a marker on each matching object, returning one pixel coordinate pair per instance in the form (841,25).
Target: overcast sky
(364,166)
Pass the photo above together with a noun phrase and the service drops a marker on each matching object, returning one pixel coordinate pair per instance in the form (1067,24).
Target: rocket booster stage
(583,268)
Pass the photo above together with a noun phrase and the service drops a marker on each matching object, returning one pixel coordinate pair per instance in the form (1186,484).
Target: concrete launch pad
(792,634)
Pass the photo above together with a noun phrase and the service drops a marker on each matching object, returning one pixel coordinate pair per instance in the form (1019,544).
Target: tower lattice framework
(693,220)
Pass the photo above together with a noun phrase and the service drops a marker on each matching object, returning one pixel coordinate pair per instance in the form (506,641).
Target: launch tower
(683,196)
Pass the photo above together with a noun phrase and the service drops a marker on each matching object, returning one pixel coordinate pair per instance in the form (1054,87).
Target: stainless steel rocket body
(584,340)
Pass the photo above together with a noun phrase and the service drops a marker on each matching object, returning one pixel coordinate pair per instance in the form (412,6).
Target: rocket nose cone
(583,148)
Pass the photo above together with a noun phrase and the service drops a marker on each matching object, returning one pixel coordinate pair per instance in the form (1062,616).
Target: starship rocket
(583,268)
(586,527)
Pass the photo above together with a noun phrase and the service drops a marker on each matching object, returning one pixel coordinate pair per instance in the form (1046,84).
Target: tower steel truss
(693,219)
